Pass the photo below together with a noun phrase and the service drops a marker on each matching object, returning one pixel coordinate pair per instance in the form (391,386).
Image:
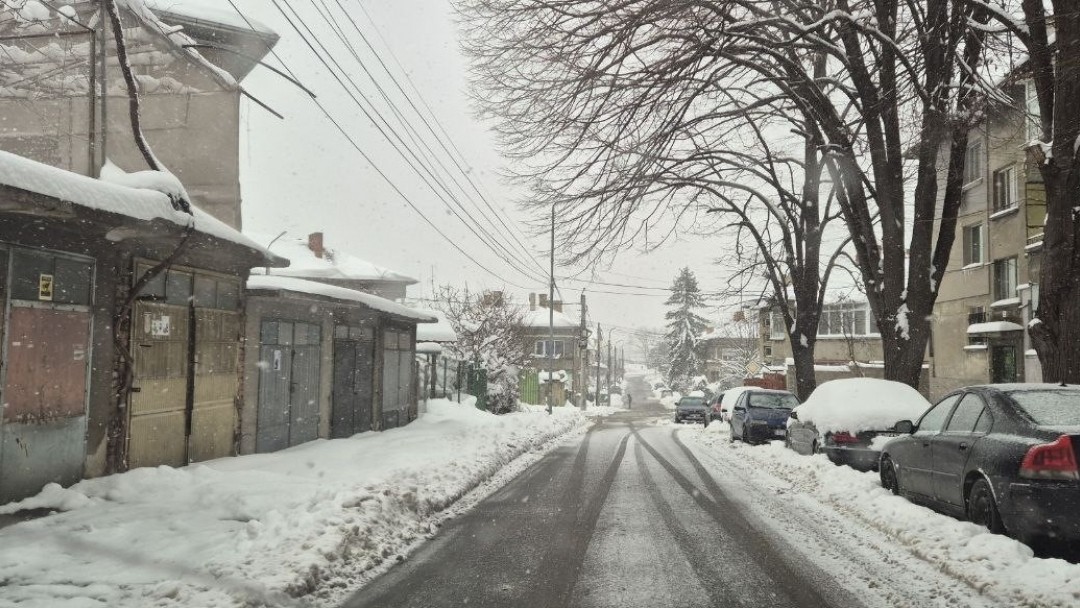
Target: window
(973,162)
(42,276)
(542,348)
(973,244)
(966,415)
(1031,105)
(1006,190)
(985,423)
(933,420)
(1005,279)
(777,328)
(976,314)
(845,319)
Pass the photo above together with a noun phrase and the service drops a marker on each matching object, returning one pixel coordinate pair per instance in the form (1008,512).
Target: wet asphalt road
(624,517)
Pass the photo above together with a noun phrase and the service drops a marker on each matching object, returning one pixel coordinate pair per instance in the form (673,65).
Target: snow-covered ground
(840,516)
(311,522)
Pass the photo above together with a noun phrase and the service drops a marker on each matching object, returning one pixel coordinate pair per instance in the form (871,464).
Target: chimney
(532,301)
(543,300)
(557,305)
(315,244)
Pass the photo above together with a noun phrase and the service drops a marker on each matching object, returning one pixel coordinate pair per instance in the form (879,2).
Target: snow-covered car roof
(861,404)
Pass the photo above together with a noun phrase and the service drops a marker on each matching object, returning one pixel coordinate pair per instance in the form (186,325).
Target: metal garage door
(43,425)
(289,374)
(354,366)
(157,429)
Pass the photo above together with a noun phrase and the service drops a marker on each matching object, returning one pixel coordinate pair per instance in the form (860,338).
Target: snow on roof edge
(137,203)
(277,282)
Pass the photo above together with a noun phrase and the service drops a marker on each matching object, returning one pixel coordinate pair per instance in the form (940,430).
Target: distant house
(726,355)
(73,250)
(848,344)
(563,354)
(313,260)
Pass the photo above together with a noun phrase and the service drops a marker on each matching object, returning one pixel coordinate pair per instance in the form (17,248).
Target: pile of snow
(310,521)
(1000,569)
(731,396)
(861,404)
(670,401)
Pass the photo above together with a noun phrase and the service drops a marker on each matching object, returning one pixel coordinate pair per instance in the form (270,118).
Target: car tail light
(1055,460)
(843,437)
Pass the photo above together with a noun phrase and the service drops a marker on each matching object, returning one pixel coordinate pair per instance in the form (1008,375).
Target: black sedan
(1003,456)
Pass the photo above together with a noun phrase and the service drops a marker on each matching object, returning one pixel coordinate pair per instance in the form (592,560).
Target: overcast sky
(302,175)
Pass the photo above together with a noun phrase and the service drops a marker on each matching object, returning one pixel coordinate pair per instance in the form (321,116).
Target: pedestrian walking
(629,400)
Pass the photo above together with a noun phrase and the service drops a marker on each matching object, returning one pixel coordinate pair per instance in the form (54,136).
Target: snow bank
(861,404)
(997,567)
(309,521)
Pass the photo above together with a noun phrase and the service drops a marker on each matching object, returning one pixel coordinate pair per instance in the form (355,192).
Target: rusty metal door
(44,418)
(213,414)
(289,375)
(157,429)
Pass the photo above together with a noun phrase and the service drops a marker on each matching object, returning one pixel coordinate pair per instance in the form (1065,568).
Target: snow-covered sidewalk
(810,500)
(287,528)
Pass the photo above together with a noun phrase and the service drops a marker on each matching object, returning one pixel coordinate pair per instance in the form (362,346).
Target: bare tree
(620,112)
(603,95)
(490,334)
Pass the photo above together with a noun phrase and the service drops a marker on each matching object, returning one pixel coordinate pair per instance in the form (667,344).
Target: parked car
(761,414)
(691,407)
(846,419)
(712,408)
(1003,456)
(728,400)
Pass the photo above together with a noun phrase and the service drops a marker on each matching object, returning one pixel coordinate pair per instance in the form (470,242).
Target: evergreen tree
(683,328)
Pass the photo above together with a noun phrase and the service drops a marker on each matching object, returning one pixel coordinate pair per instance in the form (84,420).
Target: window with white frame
(777,327)
(845,319)
(1006,188)
(973,244)
(543,348)
(973,162)
(1005,279)
(1031,106)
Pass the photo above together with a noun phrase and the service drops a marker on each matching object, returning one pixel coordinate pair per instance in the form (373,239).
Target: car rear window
(692,401)
(772,401)
(1050,408)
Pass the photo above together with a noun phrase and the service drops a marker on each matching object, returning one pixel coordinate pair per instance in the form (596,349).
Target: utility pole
(599,338)
(581,374)
(551,318)
(610,364)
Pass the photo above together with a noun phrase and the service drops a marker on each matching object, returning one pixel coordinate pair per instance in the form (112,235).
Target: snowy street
(639,512)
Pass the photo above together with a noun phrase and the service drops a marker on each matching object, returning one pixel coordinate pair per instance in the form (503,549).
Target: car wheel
(732,434)
(787,443)
(981,508)
(889,480)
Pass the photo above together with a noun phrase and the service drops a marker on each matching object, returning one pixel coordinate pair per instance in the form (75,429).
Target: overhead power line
(408,154)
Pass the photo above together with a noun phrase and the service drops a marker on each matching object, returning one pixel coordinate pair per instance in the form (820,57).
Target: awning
(993,327)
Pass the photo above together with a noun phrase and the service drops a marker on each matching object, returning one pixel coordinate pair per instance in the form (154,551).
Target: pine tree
(684,326)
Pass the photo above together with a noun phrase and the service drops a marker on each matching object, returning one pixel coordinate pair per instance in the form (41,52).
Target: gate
(213,414)
(353,392)
(529,386)
(157,428)
(289,366)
